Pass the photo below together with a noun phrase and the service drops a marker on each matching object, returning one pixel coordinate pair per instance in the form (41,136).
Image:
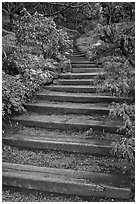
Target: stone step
(74,82)
(88,146)
(77,55)
(80,98)
(86,70)
(78,75)
(64,108)
(82,62)
(75,58)
(73,89)
(66,122)
(71,182)
(82,65)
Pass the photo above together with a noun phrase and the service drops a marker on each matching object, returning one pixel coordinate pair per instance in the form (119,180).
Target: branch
(70,5)
(122,48)
(62,10)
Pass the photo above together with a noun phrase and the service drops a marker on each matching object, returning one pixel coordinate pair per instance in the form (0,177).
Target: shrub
(119,77)
(126,113)
(17,90)
(41,31)
(13,94)
(30,59)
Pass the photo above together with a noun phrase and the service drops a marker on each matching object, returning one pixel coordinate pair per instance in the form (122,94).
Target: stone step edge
(70,86)
(97,147)
(80,61)
(78,80)
(85,70)
(73,89)
(72,124)
(74,82)
(62,108)
(81,74)
(69,182)
(82,98)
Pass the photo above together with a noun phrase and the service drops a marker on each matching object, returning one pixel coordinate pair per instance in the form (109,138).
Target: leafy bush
(119,77)
(31,58)
(41,31)
(13,94)
(126,113)
(125,147)
(17,90)
(112,46)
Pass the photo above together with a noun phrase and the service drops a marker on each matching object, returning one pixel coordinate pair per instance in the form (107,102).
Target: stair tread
(83,74)
(71,86)
(58,139)
(69,105)
(95,95)
(75,79)
(67,119)
(82,62)
(72,181)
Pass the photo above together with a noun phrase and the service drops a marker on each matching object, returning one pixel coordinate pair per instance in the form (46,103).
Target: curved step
(64,181)
(77,55)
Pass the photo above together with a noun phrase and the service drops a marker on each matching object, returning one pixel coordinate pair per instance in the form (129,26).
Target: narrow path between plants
(53,149)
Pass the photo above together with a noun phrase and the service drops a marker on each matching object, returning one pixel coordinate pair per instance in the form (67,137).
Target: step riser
(66,126)
(62,110)
(74,82)
(79,148)
(77,58)
(80,99)
(78,76)
(86,70)
(84,65)
(85,62)
(77,55)
(41,179)
(63,188)
(72,90)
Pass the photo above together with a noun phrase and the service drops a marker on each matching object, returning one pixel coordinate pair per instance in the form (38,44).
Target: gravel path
(62,133)
(11,194)
(64,160)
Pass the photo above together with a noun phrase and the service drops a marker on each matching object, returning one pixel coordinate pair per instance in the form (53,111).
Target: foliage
(30,59)
(13,94)
(125,146)
(41,31)
(112,46)
(126,113)
(17,90)
(115,12)
(119,77)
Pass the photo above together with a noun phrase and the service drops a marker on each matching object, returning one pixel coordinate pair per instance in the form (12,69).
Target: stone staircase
(71,103)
